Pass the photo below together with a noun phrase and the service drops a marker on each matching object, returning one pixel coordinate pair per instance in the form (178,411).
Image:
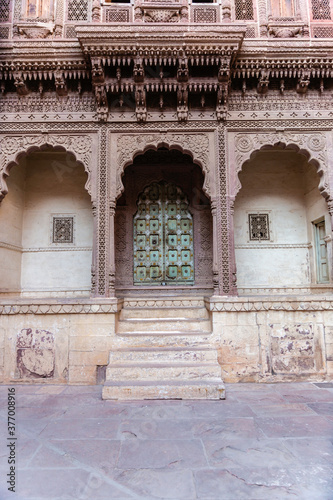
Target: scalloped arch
(195,145)
(15,148)
(318,163)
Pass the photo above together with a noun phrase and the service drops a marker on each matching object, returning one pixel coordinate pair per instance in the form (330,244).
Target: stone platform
(265,441)
(165,350)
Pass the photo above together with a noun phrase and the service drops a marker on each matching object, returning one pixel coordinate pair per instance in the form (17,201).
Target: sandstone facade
(166,184)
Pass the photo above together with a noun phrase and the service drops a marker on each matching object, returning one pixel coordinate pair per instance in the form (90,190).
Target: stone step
(163,324)
(163,339)
(164,390)
(165,312)
(159,371)
(163,302)
(163,355)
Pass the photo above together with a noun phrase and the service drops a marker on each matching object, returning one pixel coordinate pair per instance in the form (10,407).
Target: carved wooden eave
(52,61)
(145,47)
(300,61)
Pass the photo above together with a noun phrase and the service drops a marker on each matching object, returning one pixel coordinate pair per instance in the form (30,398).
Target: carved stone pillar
(94,264)
(225,232)
(216,280)
(112,260)
(329,242)
(231,244)
(102,243)
(59,19)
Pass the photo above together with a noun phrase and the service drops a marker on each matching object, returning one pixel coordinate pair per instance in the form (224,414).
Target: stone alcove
(46,222)
(170,166)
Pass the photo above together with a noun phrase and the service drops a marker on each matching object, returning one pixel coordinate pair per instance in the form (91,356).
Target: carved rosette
(313,145)
(13,145)
(197,145)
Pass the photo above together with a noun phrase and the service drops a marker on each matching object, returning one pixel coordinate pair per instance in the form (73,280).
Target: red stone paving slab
(262,397)
(66,484)
(322,408)
(159,484)
(234,452)
(310,396)
(143,454)
(221,409)
(178,410)
(102,454)
(229,427)
(157,429)
(70,429)
(46,457)
(230,485)
(281,410)
(313,451)
(106,410)
(296,426)
(32,426)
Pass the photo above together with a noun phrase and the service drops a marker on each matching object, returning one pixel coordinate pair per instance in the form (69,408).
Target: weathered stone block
(82,374)
(100,343)
(35,353)
(77,358)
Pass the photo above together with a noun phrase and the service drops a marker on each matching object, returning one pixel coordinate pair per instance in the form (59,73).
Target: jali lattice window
(244,9)
(259,227)
(321,9)
(77,10)
(4,11)
(63,230)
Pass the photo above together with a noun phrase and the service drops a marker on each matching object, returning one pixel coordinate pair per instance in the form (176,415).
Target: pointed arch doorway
(163,237)
(163,186)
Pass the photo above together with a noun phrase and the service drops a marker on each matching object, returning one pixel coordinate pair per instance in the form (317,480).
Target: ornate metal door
(163,237)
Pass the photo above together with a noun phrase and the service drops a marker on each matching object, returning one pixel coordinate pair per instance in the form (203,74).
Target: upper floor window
(39,8)
(283,8)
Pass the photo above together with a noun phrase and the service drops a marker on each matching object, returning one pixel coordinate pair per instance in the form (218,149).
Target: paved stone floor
(264,442)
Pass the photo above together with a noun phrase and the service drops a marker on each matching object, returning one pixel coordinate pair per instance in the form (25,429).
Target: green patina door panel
(163,237)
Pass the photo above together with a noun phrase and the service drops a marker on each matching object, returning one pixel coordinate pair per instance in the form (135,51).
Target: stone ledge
(100,306)
(241,304)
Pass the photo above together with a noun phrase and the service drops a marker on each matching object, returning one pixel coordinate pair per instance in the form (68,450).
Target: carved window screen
(259,227)
(321,9)
(77,10)
(117,15)
(4,11)
(205,15)
(63,230)
(244,10)
(322,31)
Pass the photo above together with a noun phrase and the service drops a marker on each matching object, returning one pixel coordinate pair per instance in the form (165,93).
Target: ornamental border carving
(233,305)
(58,308)
(238,305)
(13,146)
(312,145)
(195,144)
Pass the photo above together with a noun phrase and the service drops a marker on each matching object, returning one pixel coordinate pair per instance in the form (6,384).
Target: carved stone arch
(312,146)
(195,145)
(13,148)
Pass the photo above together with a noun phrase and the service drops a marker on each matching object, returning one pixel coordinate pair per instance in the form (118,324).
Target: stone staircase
(164,351)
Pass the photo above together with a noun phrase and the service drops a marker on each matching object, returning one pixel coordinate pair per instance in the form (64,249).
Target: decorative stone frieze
(195,144)
(312,145)
(77,307)
(11,146)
